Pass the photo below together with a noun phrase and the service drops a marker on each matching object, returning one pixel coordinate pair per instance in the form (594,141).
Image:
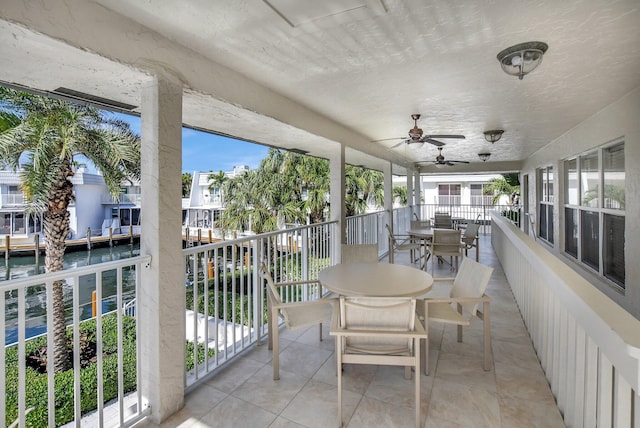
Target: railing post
(305,254)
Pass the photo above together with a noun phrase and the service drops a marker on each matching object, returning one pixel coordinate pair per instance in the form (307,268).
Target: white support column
(417,186)
(162,299)
(388,192)
(336,190)
(410,192)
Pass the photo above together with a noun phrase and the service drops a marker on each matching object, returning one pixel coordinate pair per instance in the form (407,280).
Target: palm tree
(216,181)
(507,185)
(400,195)
(186,184)
(364,187)
(40,137)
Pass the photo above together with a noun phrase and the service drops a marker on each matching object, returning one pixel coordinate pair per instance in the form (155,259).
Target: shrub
(36,382)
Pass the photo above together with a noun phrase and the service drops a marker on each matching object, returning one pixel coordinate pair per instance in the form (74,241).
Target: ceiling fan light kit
(484,156)
(493,135)
(416,135)
(521,59)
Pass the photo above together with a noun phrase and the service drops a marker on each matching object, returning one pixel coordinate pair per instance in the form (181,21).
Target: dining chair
(360,253)
(402,243)
(296,314)
(378,331)
(470,239)
(461,307)
(445,243)
(442,221)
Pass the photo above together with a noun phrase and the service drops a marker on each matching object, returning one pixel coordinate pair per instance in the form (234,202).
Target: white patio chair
(380,331)
(461,307)
(445,243)
(442,221)
(360,253)
(470,239)
(297,314)
(402,243)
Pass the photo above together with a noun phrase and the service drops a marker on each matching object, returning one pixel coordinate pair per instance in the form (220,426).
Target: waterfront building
(204,205)
(93,208)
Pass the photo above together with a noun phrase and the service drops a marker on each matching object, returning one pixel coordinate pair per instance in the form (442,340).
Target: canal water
(35,302)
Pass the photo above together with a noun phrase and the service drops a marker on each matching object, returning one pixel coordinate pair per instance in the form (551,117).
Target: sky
(202,151)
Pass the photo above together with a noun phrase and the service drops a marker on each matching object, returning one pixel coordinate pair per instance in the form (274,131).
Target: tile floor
(457,393)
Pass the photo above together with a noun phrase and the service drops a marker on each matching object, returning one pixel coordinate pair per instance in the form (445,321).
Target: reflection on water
(35,299)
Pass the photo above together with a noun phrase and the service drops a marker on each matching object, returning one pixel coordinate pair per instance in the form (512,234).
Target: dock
(34,247)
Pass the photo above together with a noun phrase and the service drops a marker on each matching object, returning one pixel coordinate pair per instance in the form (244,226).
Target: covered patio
(458,391)
(340,80)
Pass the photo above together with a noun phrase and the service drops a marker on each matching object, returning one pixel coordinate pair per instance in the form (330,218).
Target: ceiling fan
(416,137)
(440,160)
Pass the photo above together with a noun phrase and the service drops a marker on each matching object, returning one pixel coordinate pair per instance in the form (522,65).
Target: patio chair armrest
(286,283)
(306,303)
(484,298)
(418,332)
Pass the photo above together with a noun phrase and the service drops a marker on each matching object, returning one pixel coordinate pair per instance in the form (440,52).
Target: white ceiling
(367,65)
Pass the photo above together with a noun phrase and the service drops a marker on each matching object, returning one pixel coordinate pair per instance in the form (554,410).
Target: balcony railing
(22,304)
(588,346)
(230,314)
(368,229)
(12,200)
(124,198)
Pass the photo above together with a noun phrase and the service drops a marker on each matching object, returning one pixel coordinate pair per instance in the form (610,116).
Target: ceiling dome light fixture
(484,156)
(493,135)
(523,58)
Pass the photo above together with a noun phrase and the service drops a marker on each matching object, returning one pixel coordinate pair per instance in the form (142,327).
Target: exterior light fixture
(493,135)
(484,156)
(522,59)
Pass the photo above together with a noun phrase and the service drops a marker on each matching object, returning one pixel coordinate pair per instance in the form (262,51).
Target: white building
(93,208)
(204,206)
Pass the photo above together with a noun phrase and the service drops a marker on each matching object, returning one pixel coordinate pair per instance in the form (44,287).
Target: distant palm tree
(40,137)
(400,195)
(503,186)
(216,180)
(364,187)
(186,184)
(288,187)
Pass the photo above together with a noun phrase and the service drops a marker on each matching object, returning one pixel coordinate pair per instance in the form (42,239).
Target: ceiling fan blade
(462,137)
(456,161)
(399,144)
(432,141)
(387,139)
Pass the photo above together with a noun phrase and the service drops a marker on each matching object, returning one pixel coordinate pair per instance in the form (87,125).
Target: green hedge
(36,383)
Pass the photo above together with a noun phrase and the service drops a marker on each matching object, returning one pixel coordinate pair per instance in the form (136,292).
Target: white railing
(19,297)
(231,315)
(11,200)
(368,229)
(588,346)
(123,198)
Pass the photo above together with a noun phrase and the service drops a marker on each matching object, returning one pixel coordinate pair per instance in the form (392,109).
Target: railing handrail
(605,320)
(243,239)
(367,214)
(75,272)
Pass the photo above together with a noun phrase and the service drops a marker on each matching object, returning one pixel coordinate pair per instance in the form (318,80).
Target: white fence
(588,346)
(230,314)
(19,297)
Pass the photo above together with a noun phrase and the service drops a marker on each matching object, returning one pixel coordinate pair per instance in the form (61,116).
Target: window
(545,192)
(478,196)
(594,211)
(448,194)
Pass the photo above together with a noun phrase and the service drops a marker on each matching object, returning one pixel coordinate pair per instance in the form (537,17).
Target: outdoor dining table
(375,280)
(425,234)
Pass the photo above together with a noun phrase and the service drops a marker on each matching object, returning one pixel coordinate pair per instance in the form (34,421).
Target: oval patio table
(375,280)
